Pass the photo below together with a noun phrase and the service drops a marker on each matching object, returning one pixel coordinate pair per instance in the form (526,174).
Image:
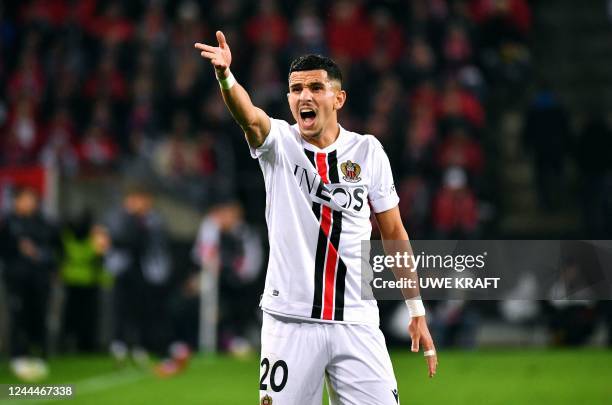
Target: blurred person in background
(141,262)
(349,31)
(97,152)
(307,29)
(59,148)
(22,136)
(174,157)
(389,40)
(592,155)
(28,80)
(455,323)
(108,81)
(502,19)
(421,134)
(504,33)
(459,108)
(414,203)
(111,26)
(455,209)
(29,250)
(605,308)
(97,149)
(571,308)
(460,150)
(226,239)
(546,135)
(82,271)
(268,27)
(419,63)
(230,250)
(456,47)
(184,307)
(386,115)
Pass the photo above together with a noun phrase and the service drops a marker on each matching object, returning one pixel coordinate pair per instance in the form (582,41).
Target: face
(26,203)
(138,203)
(314,101)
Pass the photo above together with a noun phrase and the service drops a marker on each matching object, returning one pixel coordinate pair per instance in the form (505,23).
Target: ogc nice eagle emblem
(267,400)
(351,171)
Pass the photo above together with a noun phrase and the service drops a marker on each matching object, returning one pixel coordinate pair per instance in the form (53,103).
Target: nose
(305,94)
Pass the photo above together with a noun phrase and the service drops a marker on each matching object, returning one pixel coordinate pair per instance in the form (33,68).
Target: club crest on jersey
(351,171)
(267,400)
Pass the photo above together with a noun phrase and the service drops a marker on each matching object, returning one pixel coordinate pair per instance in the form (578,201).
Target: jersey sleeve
(271,142)
(382,194)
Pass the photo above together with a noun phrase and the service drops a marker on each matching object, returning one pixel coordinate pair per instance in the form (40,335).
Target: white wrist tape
(415,306)
(228,82)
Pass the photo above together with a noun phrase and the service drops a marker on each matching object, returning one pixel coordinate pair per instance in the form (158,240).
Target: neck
(325,138)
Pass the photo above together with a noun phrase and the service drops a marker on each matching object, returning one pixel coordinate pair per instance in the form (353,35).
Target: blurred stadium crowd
(93,87)
(98,86)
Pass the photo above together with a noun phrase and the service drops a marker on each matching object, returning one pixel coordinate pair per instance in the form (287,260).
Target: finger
(415,343)
(427,342)
(432,361)
(221,39)
(208,55)
(432,364)
(204,47)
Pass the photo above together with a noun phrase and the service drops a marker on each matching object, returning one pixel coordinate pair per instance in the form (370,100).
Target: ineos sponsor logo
(351,198)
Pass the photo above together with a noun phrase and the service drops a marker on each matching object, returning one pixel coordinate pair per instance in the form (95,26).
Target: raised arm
(395,238)
(253,120)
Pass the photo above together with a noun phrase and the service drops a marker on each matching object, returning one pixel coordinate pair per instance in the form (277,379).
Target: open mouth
(308,116)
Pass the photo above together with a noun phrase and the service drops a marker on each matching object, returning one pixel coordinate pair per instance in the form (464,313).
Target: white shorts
(297,356)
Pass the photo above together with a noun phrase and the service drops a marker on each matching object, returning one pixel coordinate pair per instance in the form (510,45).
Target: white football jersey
(318,212)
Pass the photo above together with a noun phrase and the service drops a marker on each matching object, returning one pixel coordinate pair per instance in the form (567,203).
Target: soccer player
(321,181)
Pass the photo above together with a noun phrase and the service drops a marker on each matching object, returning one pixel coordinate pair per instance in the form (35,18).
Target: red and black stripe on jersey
(330,270)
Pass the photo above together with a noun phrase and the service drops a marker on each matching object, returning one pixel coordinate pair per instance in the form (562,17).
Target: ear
(340,99)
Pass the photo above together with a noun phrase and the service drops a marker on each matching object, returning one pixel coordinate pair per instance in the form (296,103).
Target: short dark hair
(316,62)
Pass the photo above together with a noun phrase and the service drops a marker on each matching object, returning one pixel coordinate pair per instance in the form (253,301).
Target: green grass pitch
(475,377)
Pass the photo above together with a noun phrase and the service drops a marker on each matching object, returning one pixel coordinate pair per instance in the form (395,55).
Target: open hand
(220,56)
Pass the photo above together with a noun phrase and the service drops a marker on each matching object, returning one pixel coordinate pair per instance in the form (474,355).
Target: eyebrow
(313,83)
